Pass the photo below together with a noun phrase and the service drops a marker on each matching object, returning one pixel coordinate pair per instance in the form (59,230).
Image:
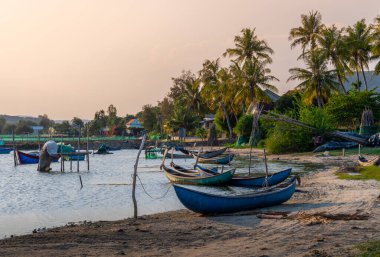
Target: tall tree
(333,47)
(376,43)
(359,46)
(215,87)
(317,82)
(253,55)
(308,33)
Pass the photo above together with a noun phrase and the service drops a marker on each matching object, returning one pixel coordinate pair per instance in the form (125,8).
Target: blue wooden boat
(4,150)
(224,160)
(252,181)
(30,158)
(207,203)
(197,178)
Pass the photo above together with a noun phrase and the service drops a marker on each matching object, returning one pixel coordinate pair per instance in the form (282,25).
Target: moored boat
(253,181)
(223,160)
(197,178)
(5,150)
(206,203)
(206,154)
(30,158)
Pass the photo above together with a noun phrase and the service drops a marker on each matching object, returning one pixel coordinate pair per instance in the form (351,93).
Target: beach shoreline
(327,216)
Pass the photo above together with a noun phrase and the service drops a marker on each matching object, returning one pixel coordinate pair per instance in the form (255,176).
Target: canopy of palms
(317,82)
(333,47)
(358,42)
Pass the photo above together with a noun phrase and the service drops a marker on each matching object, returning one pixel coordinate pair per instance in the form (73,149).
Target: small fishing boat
(198,178)
(5,150)
(252,181)
(30,158)
(206,154)
(223,160)
(206,203)
(364,162)
(241,180)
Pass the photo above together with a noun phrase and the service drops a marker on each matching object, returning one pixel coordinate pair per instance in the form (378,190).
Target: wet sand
(326,217)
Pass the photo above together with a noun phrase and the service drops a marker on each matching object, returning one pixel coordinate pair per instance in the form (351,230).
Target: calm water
(29,199)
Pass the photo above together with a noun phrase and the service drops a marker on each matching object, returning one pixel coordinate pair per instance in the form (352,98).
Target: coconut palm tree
(332,47)
(317,82)
(358,41)
(249,47)
(376,43)
(307,34)
(215,82)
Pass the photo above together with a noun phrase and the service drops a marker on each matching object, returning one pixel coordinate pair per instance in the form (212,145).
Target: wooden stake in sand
(134,178)
(78,150)
(163,158)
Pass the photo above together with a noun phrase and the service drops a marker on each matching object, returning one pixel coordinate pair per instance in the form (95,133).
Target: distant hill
(16,119)
(373,81)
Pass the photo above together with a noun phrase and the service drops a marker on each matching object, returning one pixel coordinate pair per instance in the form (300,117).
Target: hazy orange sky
(73,57)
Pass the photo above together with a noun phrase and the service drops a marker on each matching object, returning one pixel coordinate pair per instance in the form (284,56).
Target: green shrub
(244,125)
(287,138)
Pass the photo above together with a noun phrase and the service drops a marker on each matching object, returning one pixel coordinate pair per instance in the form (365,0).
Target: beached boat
(206,203)
(4,150)
(158,153)
(364,162)
(223,160)
(253,181)
(206,154)
(198,178)
(30,158)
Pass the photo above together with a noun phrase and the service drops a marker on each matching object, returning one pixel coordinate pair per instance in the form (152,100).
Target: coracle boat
(207,203)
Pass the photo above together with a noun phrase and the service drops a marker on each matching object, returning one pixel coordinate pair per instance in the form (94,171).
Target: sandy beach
(327,216)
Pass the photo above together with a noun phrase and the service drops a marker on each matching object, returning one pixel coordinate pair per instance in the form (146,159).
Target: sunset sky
(73,57)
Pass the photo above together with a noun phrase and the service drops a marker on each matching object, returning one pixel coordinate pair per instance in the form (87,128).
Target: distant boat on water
(29,158)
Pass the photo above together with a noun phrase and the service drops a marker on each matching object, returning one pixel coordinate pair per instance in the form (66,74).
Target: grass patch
(355,151)
(369,249)
(364,173)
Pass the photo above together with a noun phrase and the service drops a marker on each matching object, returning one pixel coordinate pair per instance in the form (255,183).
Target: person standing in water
(48,151)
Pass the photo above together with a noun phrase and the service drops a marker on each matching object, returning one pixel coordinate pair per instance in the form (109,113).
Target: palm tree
(307,34)
(251,57)
(249,47)
(215,87)
(358,41)
(333,47)
(376,43)
(317,81)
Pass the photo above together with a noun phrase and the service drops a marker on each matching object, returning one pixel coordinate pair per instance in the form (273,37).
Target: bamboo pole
(172,155)
(39,142)
(78,150)
(266,168)
(14,147)
(87,155)
(134,178)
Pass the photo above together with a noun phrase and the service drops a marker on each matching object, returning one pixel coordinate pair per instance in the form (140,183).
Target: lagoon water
(30,199)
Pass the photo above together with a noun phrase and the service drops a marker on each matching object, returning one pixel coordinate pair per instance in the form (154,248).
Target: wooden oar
(163,158)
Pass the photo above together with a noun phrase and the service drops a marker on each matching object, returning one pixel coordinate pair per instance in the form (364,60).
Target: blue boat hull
(222,160)
(29,158)
(75,158)
(247,181)
(206,203)
(5,150)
